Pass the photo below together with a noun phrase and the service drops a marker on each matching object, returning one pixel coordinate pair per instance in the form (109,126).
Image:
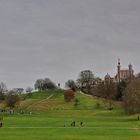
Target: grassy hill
(54,100)
(51,118)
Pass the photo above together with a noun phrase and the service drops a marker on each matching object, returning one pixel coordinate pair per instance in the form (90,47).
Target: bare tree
(107,91)
(44,84)
(39,84)
(3,87)
(71,85)
(29,91)
(132,96)
(48,84)
(86,81)
(12,99)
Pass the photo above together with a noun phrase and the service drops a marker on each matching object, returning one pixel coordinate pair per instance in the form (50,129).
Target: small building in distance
(18,90)
(108,78)
(122,74)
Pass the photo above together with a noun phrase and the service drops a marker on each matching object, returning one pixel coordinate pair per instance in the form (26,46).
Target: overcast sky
(59,38)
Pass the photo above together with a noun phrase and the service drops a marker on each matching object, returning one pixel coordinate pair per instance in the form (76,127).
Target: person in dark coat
(1,124)
(73,123)
(81,124)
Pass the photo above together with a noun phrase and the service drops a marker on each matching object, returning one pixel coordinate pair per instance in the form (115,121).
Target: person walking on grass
(138,117)
(81,124)
(1,124)
(73,123)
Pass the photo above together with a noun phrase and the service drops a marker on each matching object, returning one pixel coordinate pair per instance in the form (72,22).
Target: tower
(130,70)
(119,68)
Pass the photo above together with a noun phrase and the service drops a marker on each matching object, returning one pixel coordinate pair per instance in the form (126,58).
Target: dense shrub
(12,99)
(69,95)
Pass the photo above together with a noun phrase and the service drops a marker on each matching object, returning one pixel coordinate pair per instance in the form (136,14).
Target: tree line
(127,91)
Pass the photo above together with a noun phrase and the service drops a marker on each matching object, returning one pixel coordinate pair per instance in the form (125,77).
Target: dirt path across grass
(40,101)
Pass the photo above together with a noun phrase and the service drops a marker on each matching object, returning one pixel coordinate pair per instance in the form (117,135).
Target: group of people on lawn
(73,124)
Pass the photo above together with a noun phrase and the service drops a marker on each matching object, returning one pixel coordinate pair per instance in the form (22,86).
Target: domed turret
(107,76)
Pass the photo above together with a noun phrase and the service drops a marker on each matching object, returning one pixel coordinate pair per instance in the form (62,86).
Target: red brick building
(122,74)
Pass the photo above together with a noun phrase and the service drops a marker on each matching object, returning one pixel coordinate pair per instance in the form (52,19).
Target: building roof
(107,76)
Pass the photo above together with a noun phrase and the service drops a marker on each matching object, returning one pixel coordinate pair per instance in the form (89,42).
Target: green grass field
(51,119)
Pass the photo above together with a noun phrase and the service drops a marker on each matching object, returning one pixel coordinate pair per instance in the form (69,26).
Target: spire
(130,65)
(118,61)
(119,64)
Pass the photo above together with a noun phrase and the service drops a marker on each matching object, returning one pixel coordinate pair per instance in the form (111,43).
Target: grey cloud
(59,38)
